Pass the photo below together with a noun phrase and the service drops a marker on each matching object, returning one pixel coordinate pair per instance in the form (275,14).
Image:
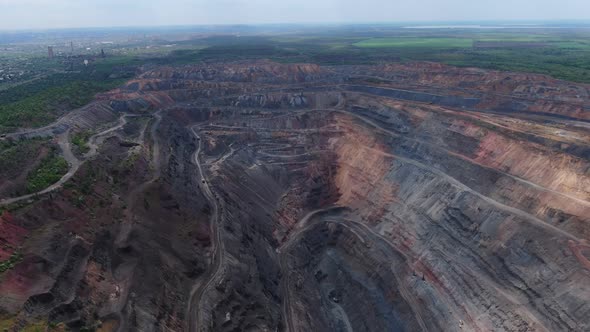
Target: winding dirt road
(295,236)
(131,199)
(63,140)
(201,286)
(73,162)
(95,141)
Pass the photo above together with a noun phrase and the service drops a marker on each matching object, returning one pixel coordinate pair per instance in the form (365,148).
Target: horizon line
(539,22)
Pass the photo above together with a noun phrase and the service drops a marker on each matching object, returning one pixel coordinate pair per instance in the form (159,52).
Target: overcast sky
(32,14)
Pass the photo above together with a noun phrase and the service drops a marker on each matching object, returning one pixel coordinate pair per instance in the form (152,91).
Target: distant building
(50,52)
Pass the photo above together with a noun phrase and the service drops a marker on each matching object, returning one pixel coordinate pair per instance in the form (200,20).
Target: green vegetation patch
(80,140)
(51,169)
(41,108)
(127,164)
(36,327)
(416,42)
(7,323)
(14,156)
(41,101)
(563,56)
(564,64)
(230,52)
(573,44)
(10,262)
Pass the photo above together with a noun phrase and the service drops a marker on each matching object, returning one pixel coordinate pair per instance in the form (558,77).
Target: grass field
(416,42)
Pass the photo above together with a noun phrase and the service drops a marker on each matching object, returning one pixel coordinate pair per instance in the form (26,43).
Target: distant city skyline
(42,14)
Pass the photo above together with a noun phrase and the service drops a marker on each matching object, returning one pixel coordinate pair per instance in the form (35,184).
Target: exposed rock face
(499,91)
(257,72)
(268,197)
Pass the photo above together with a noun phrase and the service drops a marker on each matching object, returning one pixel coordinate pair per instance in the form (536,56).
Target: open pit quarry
(258,196)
